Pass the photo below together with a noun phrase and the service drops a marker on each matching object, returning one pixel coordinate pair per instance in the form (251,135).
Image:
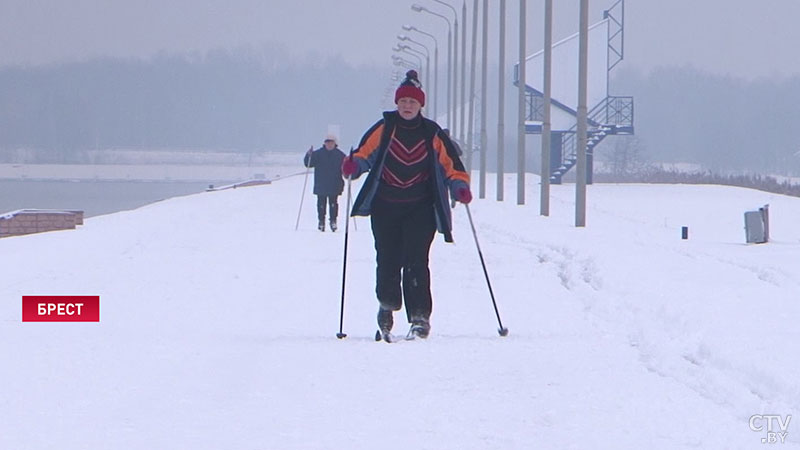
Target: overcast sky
(741,38)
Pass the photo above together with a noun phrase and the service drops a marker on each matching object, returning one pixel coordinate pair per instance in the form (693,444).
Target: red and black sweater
(406,176)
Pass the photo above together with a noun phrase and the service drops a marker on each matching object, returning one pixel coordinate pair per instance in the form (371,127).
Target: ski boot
(420,328)
(333,225)
(321,226)
(385,322)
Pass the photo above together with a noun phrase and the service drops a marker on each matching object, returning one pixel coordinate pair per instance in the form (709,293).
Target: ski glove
(349,167)
(463,194)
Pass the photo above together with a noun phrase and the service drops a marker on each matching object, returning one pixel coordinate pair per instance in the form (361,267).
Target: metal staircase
(612,116)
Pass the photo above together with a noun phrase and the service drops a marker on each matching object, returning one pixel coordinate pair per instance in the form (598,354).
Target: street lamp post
(463,84)
(420,54)
(398,61)
(427,56)
(419,8)
(501,126)
(435,64)
(388,93)
(521,108)
(471,102)
(544,202)
(406,49)
(455,67)
(580,167)
(484,103)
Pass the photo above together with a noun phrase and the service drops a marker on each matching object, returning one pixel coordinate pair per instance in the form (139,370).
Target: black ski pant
(329,201)
(403,235)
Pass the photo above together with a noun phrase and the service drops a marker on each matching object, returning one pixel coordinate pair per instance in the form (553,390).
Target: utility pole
(544,201)
(580,185)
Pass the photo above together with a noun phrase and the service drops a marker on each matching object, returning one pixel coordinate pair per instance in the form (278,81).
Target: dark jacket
(446,166)
(327,166)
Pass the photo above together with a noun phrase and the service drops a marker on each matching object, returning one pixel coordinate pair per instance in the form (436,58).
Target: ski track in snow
(694,367)
(690,362)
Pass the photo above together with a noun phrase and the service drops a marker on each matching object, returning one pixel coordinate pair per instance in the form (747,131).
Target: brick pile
(29,221)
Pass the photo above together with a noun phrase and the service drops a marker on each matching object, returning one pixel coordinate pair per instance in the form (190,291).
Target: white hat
(331,137)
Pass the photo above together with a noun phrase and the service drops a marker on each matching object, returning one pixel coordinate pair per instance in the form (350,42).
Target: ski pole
(355,224)
(340,334)
(305,181)
(502,330)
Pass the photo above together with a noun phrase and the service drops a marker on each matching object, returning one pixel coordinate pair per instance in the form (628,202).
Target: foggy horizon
(252,75)
(714,36)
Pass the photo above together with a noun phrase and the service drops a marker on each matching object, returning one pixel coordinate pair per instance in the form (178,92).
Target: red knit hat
(410,87)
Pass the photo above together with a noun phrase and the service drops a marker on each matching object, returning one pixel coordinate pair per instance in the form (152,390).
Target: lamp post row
(451,114)
(456,108)
(435,62)
(450,103)
(463,105)
(427,60)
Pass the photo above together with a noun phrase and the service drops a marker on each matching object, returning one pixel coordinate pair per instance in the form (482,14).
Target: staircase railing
(614,110)
(613,115)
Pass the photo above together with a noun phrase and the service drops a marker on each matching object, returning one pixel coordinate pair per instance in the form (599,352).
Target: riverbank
(121,180)
(93,197)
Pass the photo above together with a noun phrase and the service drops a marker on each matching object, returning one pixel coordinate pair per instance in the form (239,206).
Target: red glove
(463,195)
(349,167)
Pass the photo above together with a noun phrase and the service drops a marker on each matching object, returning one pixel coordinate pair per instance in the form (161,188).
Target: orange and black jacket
(448,171)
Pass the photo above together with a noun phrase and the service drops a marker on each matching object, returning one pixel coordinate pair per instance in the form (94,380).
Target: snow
(218,325)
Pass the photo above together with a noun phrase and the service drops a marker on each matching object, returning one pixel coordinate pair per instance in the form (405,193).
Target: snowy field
(218,325)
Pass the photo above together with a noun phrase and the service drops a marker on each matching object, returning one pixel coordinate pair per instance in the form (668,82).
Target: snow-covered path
(218,325)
